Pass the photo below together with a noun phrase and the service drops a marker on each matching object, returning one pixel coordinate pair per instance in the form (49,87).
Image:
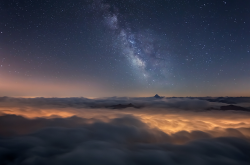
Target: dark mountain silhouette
(120,106)
(228,100)
(230,107)
(158,97)
(233,107)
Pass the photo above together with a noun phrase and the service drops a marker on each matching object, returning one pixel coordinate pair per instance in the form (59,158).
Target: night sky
(95,48)
(125,82)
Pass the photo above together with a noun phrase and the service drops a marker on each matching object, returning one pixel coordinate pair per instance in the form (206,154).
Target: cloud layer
(86,131)
(152,102)
(123,140)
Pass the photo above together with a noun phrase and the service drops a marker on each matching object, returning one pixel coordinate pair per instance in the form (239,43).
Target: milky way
(148,58)
(99,48)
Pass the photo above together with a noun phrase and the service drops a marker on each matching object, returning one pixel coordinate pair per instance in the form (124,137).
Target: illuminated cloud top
(143,131)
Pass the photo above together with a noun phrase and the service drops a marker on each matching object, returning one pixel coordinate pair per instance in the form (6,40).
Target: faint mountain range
(121,106)
(228,100)
(230,107)
(222,100)
(233,107)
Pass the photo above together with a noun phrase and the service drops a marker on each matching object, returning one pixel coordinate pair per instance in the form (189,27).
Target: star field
(98,48)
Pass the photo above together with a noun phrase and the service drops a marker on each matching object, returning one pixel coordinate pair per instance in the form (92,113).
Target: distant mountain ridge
(230,107)
(121,106)
(233,107)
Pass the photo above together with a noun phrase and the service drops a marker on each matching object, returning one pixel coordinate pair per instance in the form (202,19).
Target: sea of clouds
(91,131)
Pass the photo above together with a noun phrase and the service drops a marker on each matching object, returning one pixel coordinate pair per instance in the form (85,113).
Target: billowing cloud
(124,140)
(153,131)
(168,114)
